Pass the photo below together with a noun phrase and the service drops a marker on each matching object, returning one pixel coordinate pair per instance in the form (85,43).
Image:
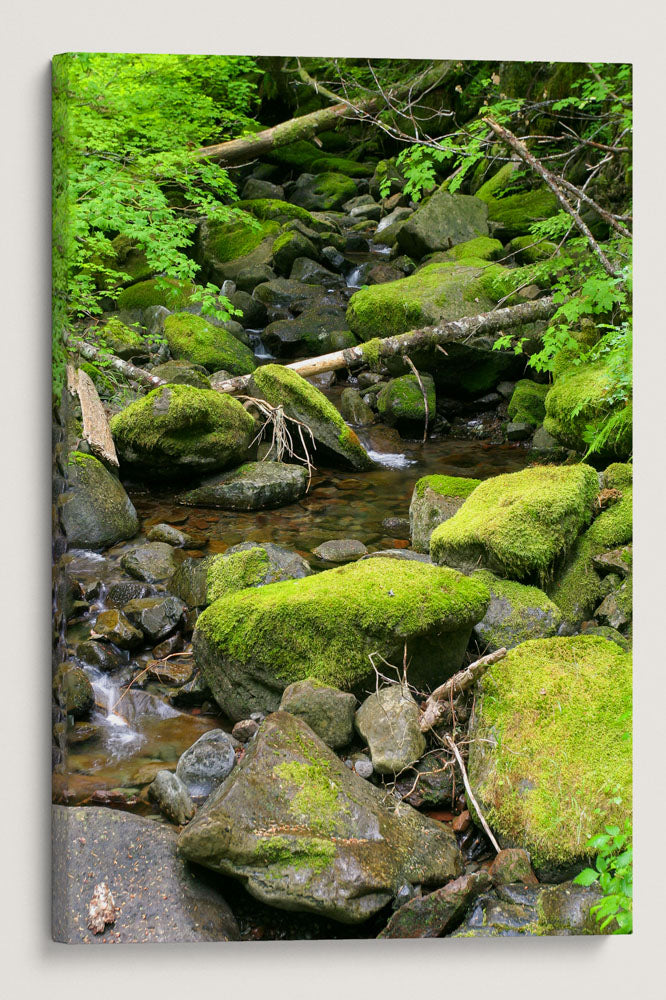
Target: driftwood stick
(436,705)
(552,182)
(96,428)
(91,353)
(456,753)
(423,393)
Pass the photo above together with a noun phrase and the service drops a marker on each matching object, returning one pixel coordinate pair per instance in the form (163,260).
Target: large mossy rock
(514,214)
(434,500)
(199,582)
(322,192)
(182,373)
(276,210)
(137,858)
(550,757)
(95,510)
(177,429)
(578,399)
(252,644)
(578,587)
(443,221)
(515,614)
(435,293)
(252,486)
(282,387)
(226,249)
(527,403)
(400,402)
(123,340)
(303,832)
(191,338)
(167,292)
(318,330)
(517,525)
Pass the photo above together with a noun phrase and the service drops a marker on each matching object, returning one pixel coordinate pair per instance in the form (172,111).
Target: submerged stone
(303,832)
(340,550)
(252,486)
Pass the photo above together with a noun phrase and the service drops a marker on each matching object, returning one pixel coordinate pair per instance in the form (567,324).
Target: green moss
(481,248)
(578,399)
(519,524)
(527,402)
(371,353)
(529,250)
(446,486)
(178,420)
(325,625)
(191,338)
(556,711)
(402,400)
(515,213)
(332,190)
(296,853)
(104,385)
(316,801)
(230,240)
(497,183)
(120,337)
(228,574)
(341,165)
(156,292)
(272,209)
(618,475)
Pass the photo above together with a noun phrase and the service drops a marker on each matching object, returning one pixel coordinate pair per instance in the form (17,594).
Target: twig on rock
(436,705)
(449,742)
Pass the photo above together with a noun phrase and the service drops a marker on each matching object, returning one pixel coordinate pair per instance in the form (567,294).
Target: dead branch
(91,353)
(423,393)
(449,742)
(436,705)
(96,428)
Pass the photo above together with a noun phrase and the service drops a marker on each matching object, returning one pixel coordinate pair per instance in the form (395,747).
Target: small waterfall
(258,346)
(354,279)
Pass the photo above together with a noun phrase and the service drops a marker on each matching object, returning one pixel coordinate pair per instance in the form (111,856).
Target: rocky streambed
(245,643)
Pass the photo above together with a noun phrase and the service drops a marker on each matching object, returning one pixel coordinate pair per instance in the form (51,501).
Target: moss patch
(316,800)
(229,240)
(191,338)
(228,574)
(446,486)
(527,404)
(156,292)
(578,399)
(401,400)
(481,248)
(515,213)
(555,712)
(312,854)
(519,524)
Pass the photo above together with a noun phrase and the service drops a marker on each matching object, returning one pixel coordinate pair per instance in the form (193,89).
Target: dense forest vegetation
(345,348)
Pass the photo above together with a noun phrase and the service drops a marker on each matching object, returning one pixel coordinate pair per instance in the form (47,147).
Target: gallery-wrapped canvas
(342,520)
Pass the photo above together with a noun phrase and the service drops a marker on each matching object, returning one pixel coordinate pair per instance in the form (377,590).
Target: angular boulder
(443,221)
(254,643)
(252,486)
(207,763)
(177,429)
(388,721)
(151,562)
(515,614)
(435,499)
(95,510)
(303,832)
(327,711)
(439,912)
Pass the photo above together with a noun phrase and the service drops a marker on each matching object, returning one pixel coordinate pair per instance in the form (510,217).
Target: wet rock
(328,711)
(172,644)
(244,730)
(207,763)
(462,822)
(156,617)
(389,723)
(362,766)
(254,316)
(250,646)
(305,833)
(304,269)
(516,431)
(340,550)
(177,672)
(170,535)
(252,486)
(435,499)
(73,691)
(292,246)
(334,259)
(512,865)
(322,192)
(95,510)
(137,856)
(182,373)
(442,222)
(119,594)
(172,797)
(113,626)
(398,527)
(439,912)
(354,410)
(248,278)
(151,562)
(286,294)
(315,331)
(256,188)
(98,654)
(515,613)
(433,781)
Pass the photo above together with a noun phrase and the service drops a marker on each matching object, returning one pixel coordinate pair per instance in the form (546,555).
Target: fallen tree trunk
(237,151)
(96,428)
(130,371)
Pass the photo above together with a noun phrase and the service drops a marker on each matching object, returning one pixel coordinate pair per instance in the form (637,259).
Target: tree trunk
(96,428)
(237,151)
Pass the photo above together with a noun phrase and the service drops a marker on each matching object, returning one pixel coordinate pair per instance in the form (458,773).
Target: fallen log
(440,699)
(238,151)
(96,428)
(130,371)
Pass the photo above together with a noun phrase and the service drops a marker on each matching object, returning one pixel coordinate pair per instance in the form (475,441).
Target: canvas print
(342,498)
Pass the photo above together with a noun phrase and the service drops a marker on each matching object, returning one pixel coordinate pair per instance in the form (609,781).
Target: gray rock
(255,188)
(305,833)
(207,763)
(252,486)
(334,259)
(286,294)
(505,389)
(156,617)
(434,782)
(157,897)
(545,442)
(99,655)
(354,410)
(312,273)
(248,278)
(254,311)
(616,609)
(95,510)
(515,613)
(340,550)
(389,723)
(244,730)
(73,691)
(172,797)
(327,711)
(435,499)
(443,221)
(615,561)
(119,594)
(322,192)
(113,626)
(167,533)
(516,431)
(316,331)
(439,912)
(151,562)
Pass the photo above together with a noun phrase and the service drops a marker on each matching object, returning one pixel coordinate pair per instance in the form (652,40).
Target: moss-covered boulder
(517,525)
(225,249)
(480,248)
(283,293)
(515,614)
(435,293)
(303,832)
(177,429)
(199,582)
(73,691)
(191,338)
(302,401)
(251,645)
(550,762)
(95,510)
(441,222)
(319,330)
(322,192)
(527,404)
(400,403)
(577,400)
(288,247)
(513,214)
(123,340)
(435,499)
(182,373)
(161,291)
(252,486)
(578,587)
